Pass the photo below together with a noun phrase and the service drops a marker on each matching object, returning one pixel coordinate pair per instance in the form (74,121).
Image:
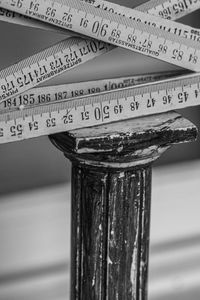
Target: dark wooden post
(111,193)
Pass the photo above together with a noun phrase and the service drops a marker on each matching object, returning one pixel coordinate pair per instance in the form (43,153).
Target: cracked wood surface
(130,142)
(111,196)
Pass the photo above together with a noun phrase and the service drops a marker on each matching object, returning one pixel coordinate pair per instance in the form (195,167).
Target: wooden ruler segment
(18,19)
(47,94)
(166,9)
(134,30)
(47,110)
(170,9)
(49,63)
(11,79)
(106,107)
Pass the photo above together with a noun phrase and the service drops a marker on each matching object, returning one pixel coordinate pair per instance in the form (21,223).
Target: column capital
(111,197)
(126,143)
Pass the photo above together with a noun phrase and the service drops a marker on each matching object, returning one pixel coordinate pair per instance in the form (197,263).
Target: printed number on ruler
(101,108)
(171,42)
(167,9)
(47,64)
(170,9)
(47,94)
(10,86)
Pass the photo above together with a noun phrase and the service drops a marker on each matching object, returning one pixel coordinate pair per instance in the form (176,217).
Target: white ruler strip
(49,63)
(102,108)
(167,9)
(18,19)
(47,94)
(133,30)
(11,78)
(170,9)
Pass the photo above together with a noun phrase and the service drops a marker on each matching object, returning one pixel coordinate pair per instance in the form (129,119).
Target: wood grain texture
(110,233)
(111,192)
(130,142)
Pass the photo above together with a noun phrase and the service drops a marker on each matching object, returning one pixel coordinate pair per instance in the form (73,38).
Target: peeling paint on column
(111,191)
(112,231)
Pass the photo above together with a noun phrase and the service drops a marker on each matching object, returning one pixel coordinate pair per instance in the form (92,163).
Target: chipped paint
(121,175)
(111,191)
(109,261)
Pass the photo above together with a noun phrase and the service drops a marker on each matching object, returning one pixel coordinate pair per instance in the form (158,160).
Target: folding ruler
(149,29)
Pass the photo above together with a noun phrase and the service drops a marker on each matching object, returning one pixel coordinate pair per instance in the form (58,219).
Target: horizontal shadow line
(189,241)
(31,274)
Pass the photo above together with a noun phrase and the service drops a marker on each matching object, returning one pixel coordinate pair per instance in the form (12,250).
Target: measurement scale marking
(48,63)
(170,9)
(47,94)
(181,30)
(119,30)
(45,119)
(167,9)
(106,107)
(150,8)
(8,88)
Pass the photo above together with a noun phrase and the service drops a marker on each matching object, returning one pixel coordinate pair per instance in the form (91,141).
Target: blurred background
(35,191)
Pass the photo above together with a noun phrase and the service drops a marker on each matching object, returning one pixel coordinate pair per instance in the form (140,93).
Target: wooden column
(111,195)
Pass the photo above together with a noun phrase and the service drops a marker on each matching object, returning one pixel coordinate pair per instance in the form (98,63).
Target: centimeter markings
(28,75)
(48,63)
(47,94)
(167,9)
(106,107)
(152,8)
(18,19)
(170,9)
(150,35)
